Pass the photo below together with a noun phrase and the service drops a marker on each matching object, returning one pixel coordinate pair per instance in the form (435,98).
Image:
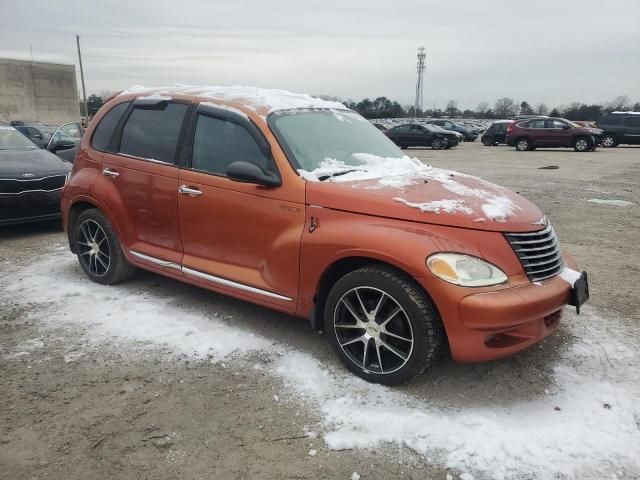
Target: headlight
(464,270)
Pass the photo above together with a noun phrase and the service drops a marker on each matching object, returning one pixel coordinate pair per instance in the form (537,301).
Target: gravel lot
(85,399)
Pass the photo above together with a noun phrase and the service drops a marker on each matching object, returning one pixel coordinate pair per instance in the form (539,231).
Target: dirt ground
(115,413)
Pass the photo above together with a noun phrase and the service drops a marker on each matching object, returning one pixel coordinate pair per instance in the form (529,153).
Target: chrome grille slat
(16,186)
(539,253)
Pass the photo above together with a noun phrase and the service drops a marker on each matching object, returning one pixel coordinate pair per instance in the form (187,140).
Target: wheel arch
(342,266)
(74,212)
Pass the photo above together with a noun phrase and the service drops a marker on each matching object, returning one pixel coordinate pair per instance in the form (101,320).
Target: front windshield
(316,136)
(12,139)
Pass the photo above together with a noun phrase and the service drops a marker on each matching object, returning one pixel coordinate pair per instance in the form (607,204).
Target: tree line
(505,107)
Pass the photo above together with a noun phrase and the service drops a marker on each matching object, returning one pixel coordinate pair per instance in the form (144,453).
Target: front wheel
(384,329)
(437,144)
(582,144)
(98,249)
(609,141)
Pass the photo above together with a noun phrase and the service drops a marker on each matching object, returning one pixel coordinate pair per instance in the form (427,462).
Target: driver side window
(218,143)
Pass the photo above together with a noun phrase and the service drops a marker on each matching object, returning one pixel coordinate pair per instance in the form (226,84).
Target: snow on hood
(411,183)
(261,100)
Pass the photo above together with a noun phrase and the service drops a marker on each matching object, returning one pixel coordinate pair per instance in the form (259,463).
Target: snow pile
(261,100)
(447,206)
(586,428)
(615,203)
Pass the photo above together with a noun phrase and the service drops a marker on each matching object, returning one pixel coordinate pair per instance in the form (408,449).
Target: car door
(139,179)
(557,134)
(241,238)
(631,129)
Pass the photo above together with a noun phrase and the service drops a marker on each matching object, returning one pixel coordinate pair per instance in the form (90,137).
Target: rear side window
(632,122)
(218,143)
(534,124)
(610,120)
(104,131)
(153,133)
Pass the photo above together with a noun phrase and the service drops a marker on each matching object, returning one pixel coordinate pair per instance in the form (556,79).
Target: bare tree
(504,107)
(452,107)
(482,108)
(542,109)
(621,102)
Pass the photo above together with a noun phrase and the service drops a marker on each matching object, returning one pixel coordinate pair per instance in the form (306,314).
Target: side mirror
(60,145)
(247,172)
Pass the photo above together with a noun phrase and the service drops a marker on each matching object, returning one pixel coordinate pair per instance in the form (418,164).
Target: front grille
(539,253)
(11,186)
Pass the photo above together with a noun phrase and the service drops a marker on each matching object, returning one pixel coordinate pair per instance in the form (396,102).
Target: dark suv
(620,127)
(470,134)
(496,133)
(551,133)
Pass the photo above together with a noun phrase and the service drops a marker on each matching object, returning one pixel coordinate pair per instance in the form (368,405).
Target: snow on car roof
(260,100)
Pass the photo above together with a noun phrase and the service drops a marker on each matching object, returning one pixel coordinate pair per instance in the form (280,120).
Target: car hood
(429,195)
(15,163)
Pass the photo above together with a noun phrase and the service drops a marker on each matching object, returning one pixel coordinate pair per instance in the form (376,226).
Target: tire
(415,327)
(403,147)
(609,141)
(437,144)
(523,144)
(106,265)
(582,144)
(487,141)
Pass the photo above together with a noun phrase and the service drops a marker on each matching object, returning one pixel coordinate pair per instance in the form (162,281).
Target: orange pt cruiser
(303,206)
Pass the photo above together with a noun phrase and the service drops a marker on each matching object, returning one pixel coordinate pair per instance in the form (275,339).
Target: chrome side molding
(154,260)
(229,283)
(205,276)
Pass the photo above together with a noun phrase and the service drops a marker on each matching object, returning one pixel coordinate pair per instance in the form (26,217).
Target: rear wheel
(523,144)
(98,249)
(609,141)
(384,329)
(487,141)
(582,144)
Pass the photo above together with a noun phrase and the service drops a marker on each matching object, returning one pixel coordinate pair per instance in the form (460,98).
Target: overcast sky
(538,50)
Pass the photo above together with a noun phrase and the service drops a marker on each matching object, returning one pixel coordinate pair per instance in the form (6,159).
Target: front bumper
(497,323)
(29,207)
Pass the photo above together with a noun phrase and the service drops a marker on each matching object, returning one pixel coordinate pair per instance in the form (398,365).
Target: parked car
(301,205)
(470,134)
(452,138)
(37,132)
(620,128)
(31,179)
(551,133)
(496,133)
(414,135)
(380,126)
(65,139)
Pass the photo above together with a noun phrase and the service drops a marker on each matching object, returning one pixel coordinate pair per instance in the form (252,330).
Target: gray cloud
(551,51)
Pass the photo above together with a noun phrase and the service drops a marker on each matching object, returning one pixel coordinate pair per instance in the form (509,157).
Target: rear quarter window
(632,122)
(610,120)
(107,126)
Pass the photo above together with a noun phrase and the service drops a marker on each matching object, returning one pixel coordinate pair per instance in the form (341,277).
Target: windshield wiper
(322,178)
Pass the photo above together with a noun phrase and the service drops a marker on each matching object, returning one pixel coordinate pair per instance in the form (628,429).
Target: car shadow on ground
(11,232)
(522,377)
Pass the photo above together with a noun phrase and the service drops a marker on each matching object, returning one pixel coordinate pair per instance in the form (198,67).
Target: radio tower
(421,67)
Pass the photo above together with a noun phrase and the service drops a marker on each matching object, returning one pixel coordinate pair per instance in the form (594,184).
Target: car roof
(260,101)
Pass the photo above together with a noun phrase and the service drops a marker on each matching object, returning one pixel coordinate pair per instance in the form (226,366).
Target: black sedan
(496,133)
(414,135)
(31,179)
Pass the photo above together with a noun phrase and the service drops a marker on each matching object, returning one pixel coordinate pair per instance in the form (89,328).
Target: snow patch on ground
(615,203)
(586,428)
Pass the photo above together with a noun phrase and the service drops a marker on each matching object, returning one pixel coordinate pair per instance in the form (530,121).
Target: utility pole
(420,68)
(84,92)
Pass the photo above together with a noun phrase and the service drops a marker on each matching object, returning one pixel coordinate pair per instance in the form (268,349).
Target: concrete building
(38,92)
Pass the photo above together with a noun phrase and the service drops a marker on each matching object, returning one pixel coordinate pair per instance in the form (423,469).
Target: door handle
(107,172)
(189,190)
